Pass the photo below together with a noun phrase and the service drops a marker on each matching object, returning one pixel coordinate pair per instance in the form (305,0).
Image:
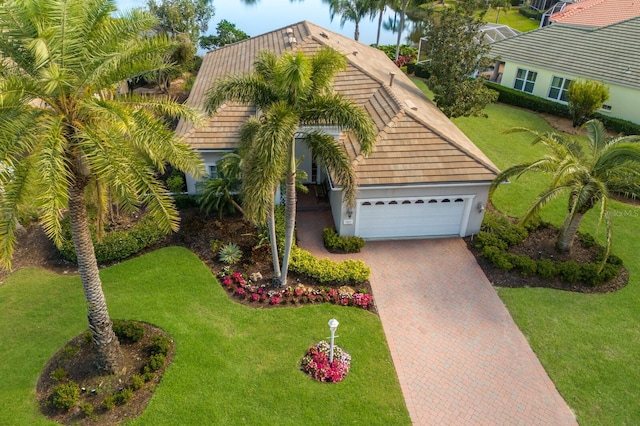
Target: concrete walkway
(460,358)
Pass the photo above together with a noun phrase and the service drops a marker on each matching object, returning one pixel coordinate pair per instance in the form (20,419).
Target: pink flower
(275,300)
(255,297)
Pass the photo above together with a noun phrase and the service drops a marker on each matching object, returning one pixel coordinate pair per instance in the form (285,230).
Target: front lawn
(512,18)
(233,364)
(588,343)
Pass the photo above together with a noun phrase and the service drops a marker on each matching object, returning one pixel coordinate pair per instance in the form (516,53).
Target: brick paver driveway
(460,358)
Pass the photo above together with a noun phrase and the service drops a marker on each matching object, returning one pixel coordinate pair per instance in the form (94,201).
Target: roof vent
(323,34)
(355,53)
(410,104)
(391,77)
(292,41)
(288,31)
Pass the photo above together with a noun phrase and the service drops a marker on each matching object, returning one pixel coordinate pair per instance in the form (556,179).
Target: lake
(268,15)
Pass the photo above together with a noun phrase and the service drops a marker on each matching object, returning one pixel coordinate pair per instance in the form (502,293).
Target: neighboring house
(425,178)
(591,13)
(545,61)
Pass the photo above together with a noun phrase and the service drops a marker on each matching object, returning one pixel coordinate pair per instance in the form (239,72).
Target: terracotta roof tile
(597,13)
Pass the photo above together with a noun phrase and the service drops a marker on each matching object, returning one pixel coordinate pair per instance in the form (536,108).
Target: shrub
(494,222)
(336,243)
(521,99)
(123,396)
(586,97)
(156,362)
(185,201)
(513,234)
(618,125)
(530,13)
(569,271)
(587,240)
(215,245)
(175,183)
(526,265)
(59,374)
(137,382)
(488,239)
(589,274)
(65,395)
(160,345)
(115,245)
(499,258)
(422,72)
(128,331)
(109,402)
(546,268)
(230,254)
(87,409)
(609,272)
(316,363)
(325,270)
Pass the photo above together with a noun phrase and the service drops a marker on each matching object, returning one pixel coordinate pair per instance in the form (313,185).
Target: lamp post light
(333,326)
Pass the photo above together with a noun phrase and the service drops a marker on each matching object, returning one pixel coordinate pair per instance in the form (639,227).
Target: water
(268,15)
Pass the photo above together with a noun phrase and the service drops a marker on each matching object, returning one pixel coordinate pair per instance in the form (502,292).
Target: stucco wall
(209,158)
(479,194)
(623,100)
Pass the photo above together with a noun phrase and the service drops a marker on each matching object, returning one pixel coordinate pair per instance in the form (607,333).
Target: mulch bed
(540,244)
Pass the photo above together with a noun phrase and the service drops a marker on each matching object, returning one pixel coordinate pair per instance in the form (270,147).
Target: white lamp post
(333,326)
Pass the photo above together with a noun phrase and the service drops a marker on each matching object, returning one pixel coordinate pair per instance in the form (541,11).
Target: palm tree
(63,129)
(291,91)
(219,193)
(351,10)
(588,176)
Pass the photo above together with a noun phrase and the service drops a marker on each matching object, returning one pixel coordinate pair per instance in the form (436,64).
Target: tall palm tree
(588,176)
(293,94)
(63,128)
(351,10)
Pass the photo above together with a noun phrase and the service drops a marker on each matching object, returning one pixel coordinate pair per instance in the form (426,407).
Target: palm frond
(293,77)
(542,200)
(326,63)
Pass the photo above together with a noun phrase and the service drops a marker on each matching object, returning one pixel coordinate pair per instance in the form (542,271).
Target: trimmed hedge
(530,13)
(528,101)
(115,245)
(336,243)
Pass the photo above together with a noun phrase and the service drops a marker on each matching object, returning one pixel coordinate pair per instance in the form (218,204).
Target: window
(558,89)
(525,80)
(606,108)
(213,171)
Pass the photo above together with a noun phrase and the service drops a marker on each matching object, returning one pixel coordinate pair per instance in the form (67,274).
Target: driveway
(460,358)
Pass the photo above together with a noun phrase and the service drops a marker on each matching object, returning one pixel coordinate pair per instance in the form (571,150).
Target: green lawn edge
(233,364)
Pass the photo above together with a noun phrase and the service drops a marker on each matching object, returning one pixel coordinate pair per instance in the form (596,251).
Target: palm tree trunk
(380,16)
(274,244)
(290,213)
(109,357)
(356,34)
(568,232)
(401,27)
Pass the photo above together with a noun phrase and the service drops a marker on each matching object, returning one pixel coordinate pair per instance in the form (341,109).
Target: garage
(412,217)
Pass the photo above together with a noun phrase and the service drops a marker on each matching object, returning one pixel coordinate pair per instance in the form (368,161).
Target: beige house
(545,61)
(425,178)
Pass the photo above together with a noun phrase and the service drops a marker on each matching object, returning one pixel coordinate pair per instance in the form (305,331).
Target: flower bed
(248,290)
(316,363)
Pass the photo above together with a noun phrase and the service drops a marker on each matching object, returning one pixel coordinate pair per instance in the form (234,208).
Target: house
(591,13)
(545,61)
(425,178)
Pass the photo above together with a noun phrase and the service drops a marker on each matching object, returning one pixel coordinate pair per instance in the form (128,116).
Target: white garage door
(410,217)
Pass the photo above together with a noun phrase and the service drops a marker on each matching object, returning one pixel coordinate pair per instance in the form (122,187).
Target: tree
(226,33)
(291,91)
(351,10)
(175,17)
(454,52)
(220,193)
(586,175)
(498,5)
(64,130)
(586,97)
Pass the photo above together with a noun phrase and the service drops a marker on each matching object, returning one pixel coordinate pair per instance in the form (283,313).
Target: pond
(268,15)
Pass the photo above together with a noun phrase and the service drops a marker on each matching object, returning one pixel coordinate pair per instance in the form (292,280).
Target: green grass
(513,19)
(233,364)
(587,343)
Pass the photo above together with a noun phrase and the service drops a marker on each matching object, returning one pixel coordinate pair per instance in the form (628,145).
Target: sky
(268,15)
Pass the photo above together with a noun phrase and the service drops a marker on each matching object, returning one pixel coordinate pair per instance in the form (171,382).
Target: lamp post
(333,326)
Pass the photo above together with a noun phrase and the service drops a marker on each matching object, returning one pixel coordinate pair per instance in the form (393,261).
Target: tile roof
(416,142)
(597,13)
(608,54)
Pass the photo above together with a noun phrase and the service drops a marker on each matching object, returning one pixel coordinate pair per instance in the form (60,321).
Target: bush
(128,331)
(618,125)
(137,382)
(184,201)
(316,363)
(586,97)
(546,268)
(530,13)
(175,183)
(521,99)
(587,240)
(160,345)
(156,362)
(422,72)
(494,222)
(526,265)
(87,409)
(336,243)
(499,258)
(230,254)
(569,271)
(513,234)
(109,402)
(488,239)
(123,396)
(115,245)
(59,374)
(325,270)
(65,395)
